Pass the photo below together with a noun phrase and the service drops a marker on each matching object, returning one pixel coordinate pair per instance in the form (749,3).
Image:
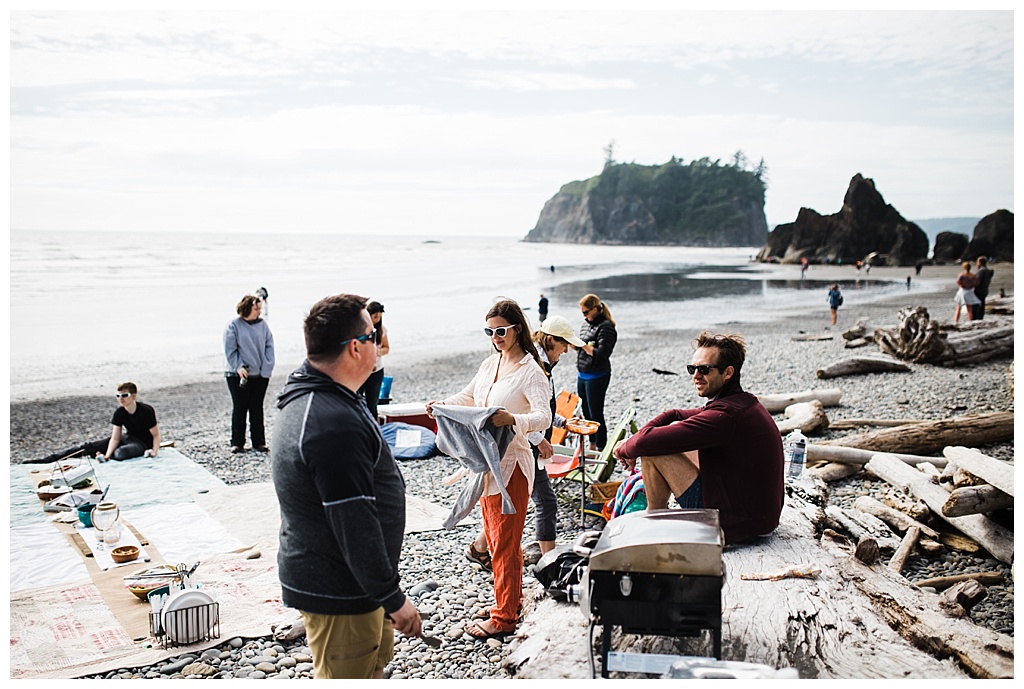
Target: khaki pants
(350,646)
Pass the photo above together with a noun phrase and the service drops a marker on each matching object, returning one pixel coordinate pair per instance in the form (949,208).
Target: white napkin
(103,559)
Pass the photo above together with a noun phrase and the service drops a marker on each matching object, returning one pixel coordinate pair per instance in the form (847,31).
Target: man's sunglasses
(500,332)
(362,338)
(122,395)
(703,368)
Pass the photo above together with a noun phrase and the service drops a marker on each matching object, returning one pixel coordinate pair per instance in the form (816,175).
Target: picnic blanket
(70,617)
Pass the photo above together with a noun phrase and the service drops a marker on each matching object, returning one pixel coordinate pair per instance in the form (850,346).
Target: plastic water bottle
(796,454)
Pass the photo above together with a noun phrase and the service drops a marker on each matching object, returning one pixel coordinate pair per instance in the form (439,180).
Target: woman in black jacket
(593,363)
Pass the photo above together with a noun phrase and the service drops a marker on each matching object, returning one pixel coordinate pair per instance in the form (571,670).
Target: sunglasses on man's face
(704,369)
(362,338)
(122,395)
(500,332)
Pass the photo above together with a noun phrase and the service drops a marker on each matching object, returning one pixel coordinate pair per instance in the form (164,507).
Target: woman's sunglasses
(500,332)
(703,368)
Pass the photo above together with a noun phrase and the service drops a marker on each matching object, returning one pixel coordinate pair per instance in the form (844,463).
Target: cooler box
(408,412)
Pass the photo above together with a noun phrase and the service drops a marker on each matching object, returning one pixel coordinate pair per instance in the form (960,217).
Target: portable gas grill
(656,573)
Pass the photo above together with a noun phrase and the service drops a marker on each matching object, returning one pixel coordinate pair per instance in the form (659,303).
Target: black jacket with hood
(342,500)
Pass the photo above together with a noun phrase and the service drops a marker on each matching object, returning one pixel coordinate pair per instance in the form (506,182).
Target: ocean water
(91,309)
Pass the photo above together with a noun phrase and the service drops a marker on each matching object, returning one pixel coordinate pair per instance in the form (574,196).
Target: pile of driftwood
(921,340)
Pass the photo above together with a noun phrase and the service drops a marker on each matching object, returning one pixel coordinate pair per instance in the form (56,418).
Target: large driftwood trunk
(996,539)
(824,627)
(775,403)
(919,339)
(921,438)
(863,364)
(985,653)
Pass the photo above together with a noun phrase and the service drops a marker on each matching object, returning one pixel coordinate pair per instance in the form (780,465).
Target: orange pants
(504,533)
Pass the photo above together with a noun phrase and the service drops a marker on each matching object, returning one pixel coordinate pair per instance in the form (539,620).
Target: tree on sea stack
(702,203)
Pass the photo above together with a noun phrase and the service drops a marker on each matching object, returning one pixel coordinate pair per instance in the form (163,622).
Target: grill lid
(661,542)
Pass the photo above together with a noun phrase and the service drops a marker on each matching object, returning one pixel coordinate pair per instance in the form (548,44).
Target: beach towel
(630,497)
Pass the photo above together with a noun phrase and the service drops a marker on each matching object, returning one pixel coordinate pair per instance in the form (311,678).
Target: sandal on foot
(478,632)
(482,558)
(485,614)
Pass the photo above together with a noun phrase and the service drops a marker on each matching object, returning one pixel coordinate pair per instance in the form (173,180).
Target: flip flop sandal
(482,558)
(480,634)
(485,614)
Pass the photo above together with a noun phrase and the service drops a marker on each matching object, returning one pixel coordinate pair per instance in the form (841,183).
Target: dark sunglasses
(500,332)
(703,368)
(122,395)
(362,338)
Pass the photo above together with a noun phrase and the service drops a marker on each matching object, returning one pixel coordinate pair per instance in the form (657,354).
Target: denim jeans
(592,394)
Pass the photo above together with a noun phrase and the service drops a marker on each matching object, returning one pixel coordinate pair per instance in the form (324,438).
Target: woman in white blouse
(511,378)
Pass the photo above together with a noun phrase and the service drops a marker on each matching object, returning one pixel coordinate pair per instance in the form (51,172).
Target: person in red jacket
(726,455)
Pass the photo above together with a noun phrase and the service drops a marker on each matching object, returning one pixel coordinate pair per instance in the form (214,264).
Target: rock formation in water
(865,226)
(993,237)
(703,203)
(949,247)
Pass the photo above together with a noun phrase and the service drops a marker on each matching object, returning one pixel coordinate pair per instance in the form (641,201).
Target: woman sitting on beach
(511,378)
(249,352)
(965,296)
(593,362)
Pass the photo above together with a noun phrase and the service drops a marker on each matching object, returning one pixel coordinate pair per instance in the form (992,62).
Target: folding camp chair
(597,467)
(566,405)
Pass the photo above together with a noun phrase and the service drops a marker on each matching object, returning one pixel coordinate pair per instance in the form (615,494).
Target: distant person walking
(835,300)
(965,297)
(542,309)
(249,353)
(984,276)
(371,388)
(593,363)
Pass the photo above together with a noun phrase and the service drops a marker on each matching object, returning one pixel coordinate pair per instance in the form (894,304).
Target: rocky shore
(196,417)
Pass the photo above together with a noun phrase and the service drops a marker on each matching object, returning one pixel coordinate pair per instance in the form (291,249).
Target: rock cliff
(700,204)
(993,237)
(865,224)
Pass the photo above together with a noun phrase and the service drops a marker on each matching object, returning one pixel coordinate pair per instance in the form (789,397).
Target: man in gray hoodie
(342,500)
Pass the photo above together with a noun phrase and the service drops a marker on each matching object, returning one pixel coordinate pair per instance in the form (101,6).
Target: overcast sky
(467,122)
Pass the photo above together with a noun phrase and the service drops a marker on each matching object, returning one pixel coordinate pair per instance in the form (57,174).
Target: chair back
(565,406)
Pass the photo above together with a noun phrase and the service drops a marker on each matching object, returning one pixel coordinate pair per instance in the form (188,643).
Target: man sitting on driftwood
(727,455)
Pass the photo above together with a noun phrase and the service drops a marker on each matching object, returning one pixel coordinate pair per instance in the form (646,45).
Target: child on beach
(835,300)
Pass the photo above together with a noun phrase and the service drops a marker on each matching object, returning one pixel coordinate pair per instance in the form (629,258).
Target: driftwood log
(986,654)
(824,627)
(807,416)
(996,539)
(906,549)
(859,330)
(775,403)
(861,364)
(919,339)
(970,429)
(822,452)
(993,471)
(805,337)
(833,471)
(958,600)
(975,500)
(846,424)
(899,521)
(999,305)
(941,583)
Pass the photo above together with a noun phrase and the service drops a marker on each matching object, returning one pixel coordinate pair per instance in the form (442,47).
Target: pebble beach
(446,587)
